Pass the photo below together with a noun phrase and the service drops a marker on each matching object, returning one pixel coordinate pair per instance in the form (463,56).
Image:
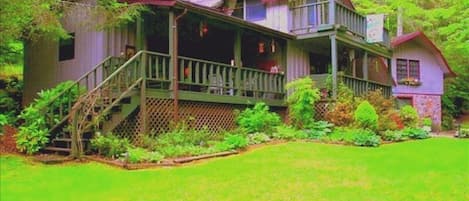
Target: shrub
(258,138)
(415,133)
(301,102)
(381,104)
(33,134)
(109,145)
(392,135)
(427,121)
(289,133)
(232,142)
(137,155)
(366,116)
(341,114)
(3,121)
(409,116)
(318,129)
(258,119)
(463,132)
(364,137)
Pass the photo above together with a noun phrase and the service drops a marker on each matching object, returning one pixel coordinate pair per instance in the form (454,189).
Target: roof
(215,14)
(422,39)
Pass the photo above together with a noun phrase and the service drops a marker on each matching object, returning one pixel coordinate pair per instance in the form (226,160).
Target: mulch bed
(8,140)
(52,158)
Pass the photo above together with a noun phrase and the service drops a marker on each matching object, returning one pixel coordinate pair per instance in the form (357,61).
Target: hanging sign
(374,28)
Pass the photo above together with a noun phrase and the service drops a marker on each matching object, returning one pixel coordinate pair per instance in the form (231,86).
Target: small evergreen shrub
(366,116)
(301,102)
(409,116)
(393,135)
(258,119)
(110,145)
(232,142)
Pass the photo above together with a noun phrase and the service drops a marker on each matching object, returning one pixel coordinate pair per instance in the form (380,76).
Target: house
(419,69)
(185,59)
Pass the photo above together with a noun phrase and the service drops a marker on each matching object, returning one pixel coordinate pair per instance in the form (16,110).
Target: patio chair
(215,84)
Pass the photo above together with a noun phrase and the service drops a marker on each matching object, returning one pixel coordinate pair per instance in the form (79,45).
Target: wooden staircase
(103,106)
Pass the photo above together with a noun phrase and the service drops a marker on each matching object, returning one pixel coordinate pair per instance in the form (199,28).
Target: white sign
(374,28)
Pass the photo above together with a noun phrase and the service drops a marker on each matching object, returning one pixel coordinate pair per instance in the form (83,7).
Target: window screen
(255,10)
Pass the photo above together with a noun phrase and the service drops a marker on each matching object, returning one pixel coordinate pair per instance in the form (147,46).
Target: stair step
(126,100)
(57,149)
(66,140)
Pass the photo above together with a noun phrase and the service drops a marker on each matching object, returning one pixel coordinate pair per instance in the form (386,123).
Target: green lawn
(433,169)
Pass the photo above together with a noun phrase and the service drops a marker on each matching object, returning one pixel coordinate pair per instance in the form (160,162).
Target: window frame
(66,45)
(259,4)
(408,67)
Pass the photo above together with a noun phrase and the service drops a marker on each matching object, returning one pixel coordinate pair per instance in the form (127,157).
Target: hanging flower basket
(410,81)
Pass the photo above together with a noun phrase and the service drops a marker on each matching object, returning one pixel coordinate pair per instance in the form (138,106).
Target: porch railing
(311,17)
(223,79)
(361,86)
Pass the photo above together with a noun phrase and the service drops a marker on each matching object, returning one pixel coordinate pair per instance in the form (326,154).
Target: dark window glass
(408,69)
(414,69)
(255,10)
(67,48)
(401,69)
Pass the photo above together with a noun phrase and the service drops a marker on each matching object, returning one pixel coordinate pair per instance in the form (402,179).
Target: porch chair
(215,84)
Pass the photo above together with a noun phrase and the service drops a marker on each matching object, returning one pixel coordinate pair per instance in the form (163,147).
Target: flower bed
(8,140)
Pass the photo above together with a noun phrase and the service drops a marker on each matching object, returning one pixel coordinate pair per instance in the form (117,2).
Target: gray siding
(297,61)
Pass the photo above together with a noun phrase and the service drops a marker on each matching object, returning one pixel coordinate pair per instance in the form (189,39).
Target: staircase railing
(57,112)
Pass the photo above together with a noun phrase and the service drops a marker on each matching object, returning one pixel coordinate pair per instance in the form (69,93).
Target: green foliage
(415,133)
(393,135)
(341,113)
(138,155)
(258,119)
(366,116)
(34,132)
(319,129)
(364,137)
(301,102)
(3,122)
(258,138)
(110,145)
(427,121)
(463,132)
(289,133)
(409,116)
(232,142)
(355,136)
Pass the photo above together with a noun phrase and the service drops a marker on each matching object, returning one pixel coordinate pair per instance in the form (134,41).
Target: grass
(432,169)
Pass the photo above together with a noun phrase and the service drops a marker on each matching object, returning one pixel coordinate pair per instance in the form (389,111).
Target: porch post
(391,80)
(143,95)
(331,12)
(334,65)
(237,61)
(173,62)
(365,65)
(139,33)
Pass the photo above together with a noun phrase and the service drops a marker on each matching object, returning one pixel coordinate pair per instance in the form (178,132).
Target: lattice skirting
(322,108)
(215,117)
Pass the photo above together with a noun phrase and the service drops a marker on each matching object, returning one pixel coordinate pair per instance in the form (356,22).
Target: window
(408,69)
(67,48)
(255,10)
(403,101)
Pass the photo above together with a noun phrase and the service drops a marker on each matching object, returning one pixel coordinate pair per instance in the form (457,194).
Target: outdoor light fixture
(203,29)
(272,45)
(261,47)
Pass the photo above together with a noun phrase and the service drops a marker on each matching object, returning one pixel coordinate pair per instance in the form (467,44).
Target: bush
(366,116)
(34,133)
(110,145)
(319,129)
(409,116)
(138,155)
(258,138)
(288,133)
(3,122)
(415,133)
(394,136)
(390,121)
(258,119)
(232,142)
(341,114)
(364,137)
(301,102)
(381,104)
(463,132)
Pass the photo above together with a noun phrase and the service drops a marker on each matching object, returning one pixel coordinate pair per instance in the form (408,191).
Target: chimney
(399,22)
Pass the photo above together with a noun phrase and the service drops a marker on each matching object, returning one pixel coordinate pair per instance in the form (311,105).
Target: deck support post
(75,150)
(143,95)
(331,12)
(365,65)
(237,61)
(173,63)
(334,65)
